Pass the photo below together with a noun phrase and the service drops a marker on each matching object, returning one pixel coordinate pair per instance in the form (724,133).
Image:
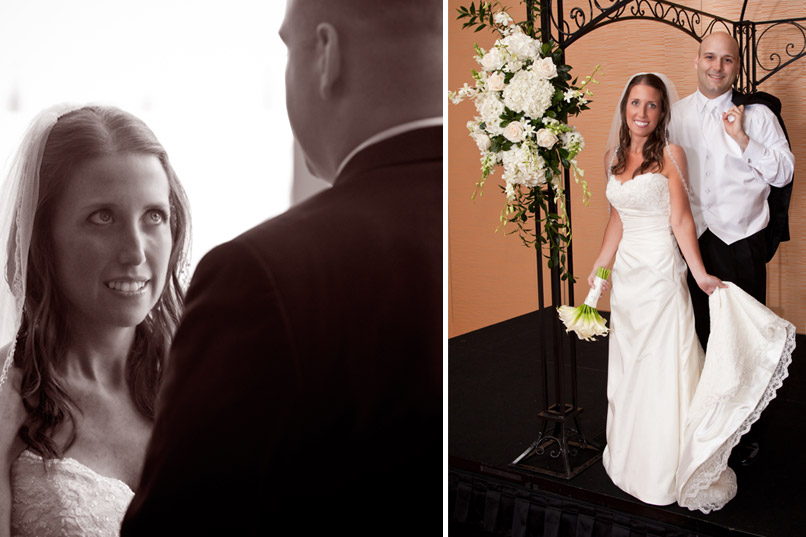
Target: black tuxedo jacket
(304,387)
(777,230)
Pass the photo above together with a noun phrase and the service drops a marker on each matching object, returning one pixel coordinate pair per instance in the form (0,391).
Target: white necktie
(711,122)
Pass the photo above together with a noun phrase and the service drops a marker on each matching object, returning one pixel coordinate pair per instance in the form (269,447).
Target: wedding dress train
(674,414)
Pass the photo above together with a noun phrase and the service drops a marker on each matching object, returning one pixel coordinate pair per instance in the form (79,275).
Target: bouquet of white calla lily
(585,320)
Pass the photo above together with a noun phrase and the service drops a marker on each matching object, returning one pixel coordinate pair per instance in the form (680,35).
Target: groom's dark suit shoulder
(306,387)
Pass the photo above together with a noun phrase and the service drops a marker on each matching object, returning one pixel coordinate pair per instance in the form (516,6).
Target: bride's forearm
(686,235)
(610,241)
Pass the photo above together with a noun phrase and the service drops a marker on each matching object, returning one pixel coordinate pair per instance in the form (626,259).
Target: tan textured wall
(492,276)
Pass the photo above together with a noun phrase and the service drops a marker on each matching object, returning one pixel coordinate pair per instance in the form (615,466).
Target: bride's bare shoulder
(677,151)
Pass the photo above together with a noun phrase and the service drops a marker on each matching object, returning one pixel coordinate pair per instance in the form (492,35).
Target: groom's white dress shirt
(389,133)
(729,187)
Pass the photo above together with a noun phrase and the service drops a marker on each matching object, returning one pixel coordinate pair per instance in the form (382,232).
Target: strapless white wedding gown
(674,414)
(65,498)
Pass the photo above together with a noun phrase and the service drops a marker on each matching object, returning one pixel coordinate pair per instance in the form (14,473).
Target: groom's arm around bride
(304,388)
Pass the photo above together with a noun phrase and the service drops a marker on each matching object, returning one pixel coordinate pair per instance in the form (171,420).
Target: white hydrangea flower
(523,166)
(490,109)
(528,92)
(521,45)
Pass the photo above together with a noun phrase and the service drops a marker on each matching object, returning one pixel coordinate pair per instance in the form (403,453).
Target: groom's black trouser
(742,263)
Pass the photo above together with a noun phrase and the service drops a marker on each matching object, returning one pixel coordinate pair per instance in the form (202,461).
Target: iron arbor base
(565,452)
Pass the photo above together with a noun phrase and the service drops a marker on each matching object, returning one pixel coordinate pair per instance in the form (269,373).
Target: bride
(94,239)
(674,414)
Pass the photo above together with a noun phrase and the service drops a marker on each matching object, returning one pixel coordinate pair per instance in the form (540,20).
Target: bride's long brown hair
(77,137)
(653,148)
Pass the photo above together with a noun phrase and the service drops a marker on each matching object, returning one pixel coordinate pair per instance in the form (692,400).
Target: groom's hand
(733,120)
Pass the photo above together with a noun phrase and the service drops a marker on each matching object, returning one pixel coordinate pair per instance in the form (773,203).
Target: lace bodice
(66,498)
(645,207)
(648,192)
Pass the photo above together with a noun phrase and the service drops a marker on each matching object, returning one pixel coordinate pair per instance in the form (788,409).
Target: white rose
(482,141)
(546,138)
(514,132)
(493,60)
(545,68)
(495,82)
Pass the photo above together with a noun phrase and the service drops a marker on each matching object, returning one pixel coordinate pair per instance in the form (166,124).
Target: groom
(304,387)
(735,154)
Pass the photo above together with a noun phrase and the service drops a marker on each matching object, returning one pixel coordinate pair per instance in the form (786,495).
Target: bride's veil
(18,200)
(615,125)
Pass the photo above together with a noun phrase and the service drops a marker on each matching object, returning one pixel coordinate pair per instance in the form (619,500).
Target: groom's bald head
(356,68)
(414,15)
(722,39)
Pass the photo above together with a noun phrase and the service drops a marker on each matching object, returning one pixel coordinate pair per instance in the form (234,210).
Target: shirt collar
(389,133)
(722,103)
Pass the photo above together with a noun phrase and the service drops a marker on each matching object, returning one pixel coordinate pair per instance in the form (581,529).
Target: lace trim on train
(713,484)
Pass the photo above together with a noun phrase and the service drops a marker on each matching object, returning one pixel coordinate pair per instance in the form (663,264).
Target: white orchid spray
(585,320)
(524,95)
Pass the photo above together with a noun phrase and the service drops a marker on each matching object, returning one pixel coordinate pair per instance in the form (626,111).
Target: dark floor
(495,393)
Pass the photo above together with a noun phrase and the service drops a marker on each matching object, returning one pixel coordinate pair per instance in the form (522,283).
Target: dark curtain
(482,506)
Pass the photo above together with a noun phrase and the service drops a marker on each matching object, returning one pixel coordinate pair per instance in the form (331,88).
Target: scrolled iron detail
(688,20)
(792,50)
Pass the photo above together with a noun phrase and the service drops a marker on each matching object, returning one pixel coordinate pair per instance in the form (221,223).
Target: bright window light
(206,76)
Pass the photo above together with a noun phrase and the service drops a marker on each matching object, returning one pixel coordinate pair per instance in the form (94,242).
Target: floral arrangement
(585,320)
(523,96)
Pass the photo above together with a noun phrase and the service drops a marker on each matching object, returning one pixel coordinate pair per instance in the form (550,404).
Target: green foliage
(481,17)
